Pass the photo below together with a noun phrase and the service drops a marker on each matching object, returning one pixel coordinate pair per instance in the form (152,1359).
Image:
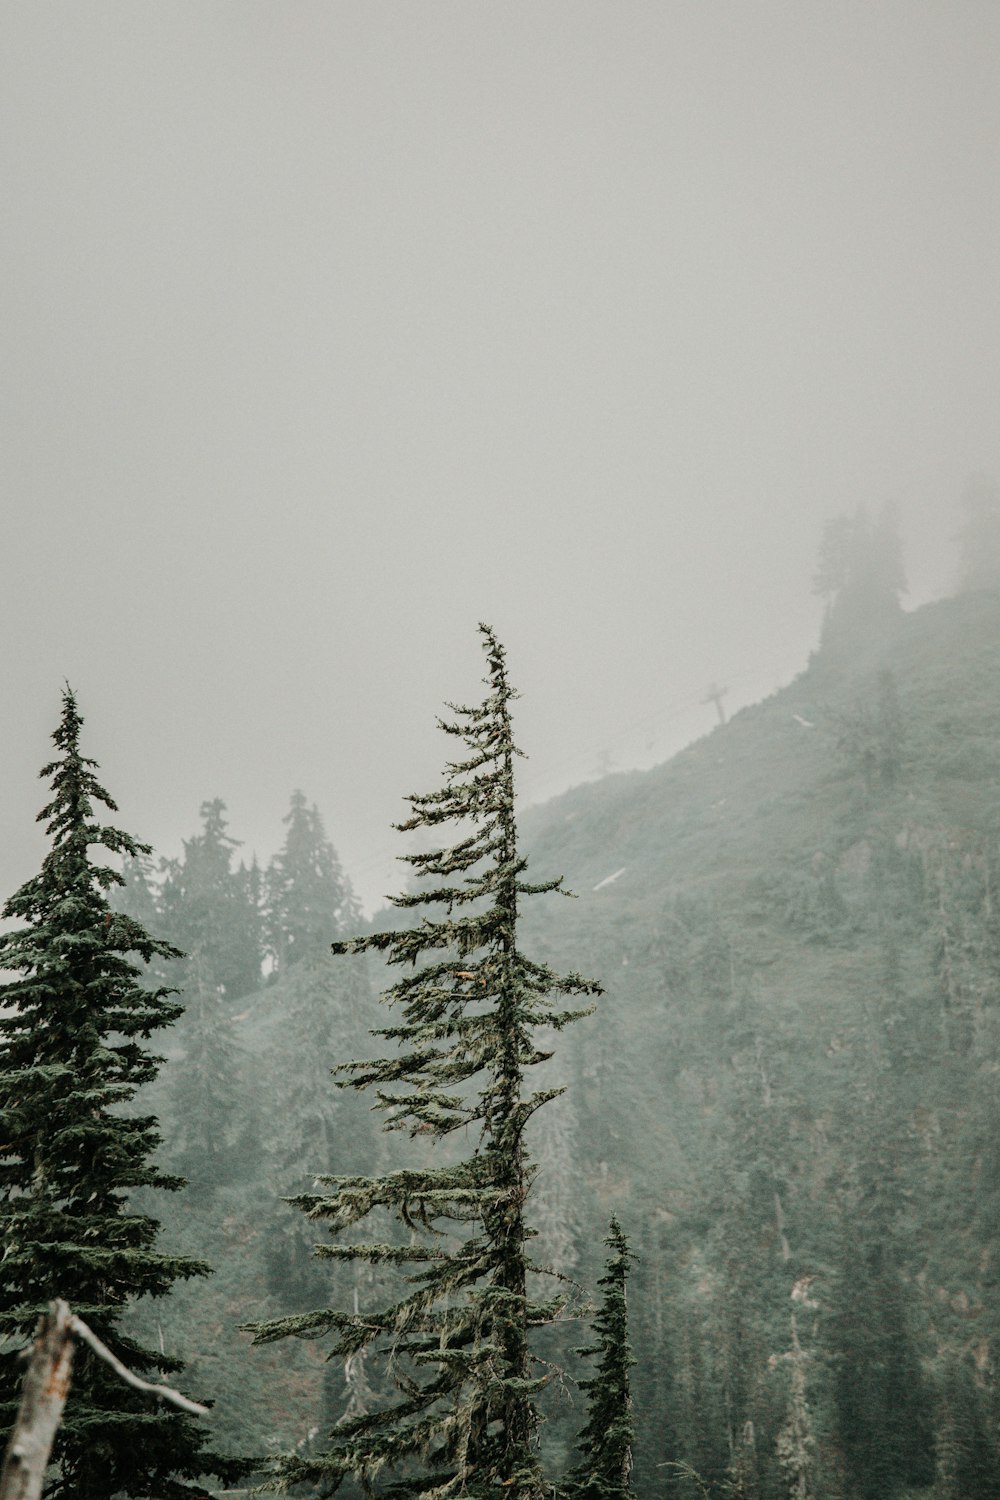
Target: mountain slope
(797,1056)
(788,1093)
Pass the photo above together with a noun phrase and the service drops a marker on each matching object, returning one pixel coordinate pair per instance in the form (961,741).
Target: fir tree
(462,1417)
(308,902)
(309,899)
(882,1403)
(212,911)
(796,1444)
(860,576)
(979,536)
(323,1004)
(72,1029)
(605,1445)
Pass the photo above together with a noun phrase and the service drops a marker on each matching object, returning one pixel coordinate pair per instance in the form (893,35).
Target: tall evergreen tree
(309,899)
(308,902)
(463,1415)
(979,535)
(324,1006)
(212,911)
(72,1030)
(882,1403)
(860,575)
(605,1468)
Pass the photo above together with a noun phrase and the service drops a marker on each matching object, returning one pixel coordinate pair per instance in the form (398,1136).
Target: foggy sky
(330,329)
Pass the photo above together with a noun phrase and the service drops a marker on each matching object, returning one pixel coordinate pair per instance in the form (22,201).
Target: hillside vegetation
(787,1094)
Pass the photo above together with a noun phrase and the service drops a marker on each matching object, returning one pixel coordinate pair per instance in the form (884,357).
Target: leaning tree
(72,1031)
(454,1405)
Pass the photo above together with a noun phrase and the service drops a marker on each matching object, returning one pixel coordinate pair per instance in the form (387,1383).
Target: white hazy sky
(329,329)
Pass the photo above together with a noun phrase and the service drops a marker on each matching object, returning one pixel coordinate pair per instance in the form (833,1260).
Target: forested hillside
(787,1094)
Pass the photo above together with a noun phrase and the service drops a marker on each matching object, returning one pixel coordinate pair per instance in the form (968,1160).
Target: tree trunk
(45,1386)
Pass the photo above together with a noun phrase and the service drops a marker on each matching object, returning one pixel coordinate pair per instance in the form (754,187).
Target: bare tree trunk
(45,1386)
(44,1396)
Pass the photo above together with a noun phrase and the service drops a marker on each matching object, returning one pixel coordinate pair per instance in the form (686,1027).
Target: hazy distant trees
(979,535)
(883,1407)
(871,737)
(308,901)
(461,1415)
(212,911)
(859,574)
(73,1028)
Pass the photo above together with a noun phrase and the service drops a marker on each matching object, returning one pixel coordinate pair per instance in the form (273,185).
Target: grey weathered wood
(45,1386)
(44,1396)
(162,1392)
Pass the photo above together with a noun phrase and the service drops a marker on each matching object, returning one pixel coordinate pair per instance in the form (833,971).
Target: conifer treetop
(70,823)
(461,1418)
(605,1444)
(72,1028)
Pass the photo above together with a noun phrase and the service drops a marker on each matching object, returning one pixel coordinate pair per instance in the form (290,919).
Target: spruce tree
(308,897)
(212,911)
(321,1002)
(882,1402)
(605,1444)
(324,1007)
(72,1054)
(860,575)
(461,1415)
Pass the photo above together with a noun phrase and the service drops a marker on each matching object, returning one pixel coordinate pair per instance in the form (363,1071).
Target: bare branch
(46,1384)
(165,1393)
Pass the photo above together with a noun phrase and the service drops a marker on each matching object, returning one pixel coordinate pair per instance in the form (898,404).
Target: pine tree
(796,1444)
(605,1444)
(72,1029)
(309,900)
(979,536)
(860,575)
(882,1403)
(463,1415)
(323,1004)
(212,911)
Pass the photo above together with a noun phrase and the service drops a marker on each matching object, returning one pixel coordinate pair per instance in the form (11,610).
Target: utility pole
(715,695)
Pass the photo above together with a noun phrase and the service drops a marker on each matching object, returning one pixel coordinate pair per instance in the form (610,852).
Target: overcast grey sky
(330,329)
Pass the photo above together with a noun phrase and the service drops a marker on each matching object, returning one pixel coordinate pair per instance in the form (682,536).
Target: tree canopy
(458,1386)
(73,1029)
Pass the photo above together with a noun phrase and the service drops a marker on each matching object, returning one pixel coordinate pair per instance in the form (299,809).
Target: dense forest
(783,1103)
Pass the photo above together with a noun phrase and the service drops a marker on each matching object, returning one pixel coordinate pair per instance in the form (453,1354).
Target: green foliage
(459,1405)
(73,1029)
(213,911)
(804,1018)
(308,898)
(966,1448)
(605,1445)
(320,1002)
(882,1403)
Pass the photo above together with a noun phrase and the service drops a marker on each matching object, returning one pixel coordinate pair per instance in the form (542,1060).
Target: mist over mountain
(662,342)
(787,1092)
